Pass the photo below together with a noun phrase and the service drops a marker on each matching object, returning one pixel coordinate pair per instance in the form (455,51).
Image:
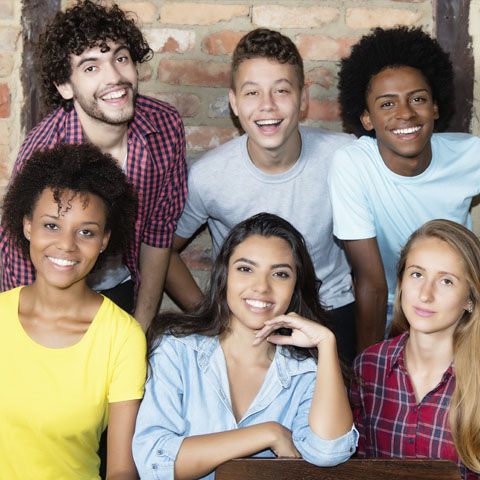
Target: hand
(283,445)
(305,333)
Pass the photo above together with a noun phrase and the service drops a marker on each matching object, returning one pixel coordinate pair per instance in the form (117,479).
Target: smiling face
(103,85)
(402,112)
(261,280)
(65,241)
(435,291)
(267,100)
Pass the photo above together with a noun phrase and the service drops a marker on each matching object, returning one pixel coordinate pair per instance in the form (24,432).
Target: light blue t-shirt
(188,394)
(369,200)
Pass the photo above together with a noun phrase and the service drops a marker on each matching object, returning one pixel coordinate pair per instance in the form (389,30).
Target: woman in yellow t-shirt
(71,361)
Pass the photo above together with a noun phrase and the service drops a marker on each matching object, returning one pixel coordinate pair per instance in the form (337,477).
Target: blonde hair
(464,412)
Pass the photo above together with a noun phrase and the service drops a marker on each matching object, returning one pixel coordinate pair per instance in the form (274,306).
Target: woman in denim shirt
(224,384)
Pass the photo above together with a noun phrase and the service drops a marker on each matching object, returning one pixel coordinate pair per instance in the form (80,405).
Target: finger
(280,339)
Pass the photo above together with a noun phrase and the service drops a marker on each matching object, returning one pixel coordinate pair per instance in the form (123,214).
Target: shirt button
(414,409)
(159,452)
(410,440)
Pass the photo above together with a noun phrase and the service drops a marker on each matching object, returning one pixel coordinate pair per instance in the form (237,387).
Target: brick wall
(193,42)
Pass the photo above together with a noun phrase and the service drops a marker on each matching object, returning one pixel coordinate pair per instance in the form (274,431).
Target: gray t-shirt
(225,187)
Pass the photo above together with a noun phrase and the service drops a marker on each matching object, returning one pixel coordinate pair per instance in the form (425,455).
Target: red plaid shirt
(386,413)
(156,167)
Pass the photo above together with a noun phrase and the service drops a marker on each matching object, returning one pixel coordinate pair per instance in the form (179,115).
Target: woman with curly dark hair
(225,383)
(71,361)
(396,89)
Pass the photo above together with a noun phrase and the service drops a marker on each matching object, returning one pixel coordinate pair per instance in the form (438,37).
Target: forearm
(330,415)
(180,284)
(153,267)
(370,313)
(199,455)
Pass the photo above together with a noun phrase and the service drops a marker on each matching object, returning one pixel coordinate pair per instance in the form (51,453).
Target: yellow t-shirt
(54,402)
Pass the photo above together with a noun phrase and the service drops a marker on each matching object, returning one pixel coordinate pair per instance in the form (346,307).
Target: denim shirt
(187,393)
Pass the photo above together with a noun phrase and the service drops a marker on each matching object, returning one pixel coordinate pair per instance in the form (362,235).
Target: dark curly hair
(212,315)
(86,25)
(264,43)
(396,47)
(81,169)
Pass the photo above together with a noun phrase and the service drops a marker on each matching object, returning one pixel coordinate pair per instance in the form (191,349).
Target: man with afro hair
(396,89)
(89,56)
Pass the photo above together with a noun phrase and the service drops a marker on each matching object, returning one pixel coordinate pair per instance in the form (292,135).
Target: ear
(469,306)
(233,101)
(65,90)
(27,227)
(106,238)
(304,98)
(366,120)
(436,116)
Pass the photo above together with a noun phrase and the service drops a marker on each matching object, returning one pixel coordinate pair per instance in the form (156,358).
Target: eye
(281,274)
(283,91)
(86,233)
(90,69)
(51,226)
(416,275)
(446,281)
(419,100)
(123,59)
(244,269)
(386,104)
(251,93)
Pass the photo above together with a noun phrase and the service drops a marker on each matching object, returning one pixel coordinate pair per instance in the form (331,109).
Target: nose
(66,242)
(267,102)
(261,283)
(426,291)
(405,111)
(112,74)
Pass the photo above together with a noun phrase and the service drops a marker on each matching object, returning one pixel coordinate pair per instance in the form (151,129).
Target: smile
(262,123)
(114,95)
(61,262)
(258,303)
(422,312)
(407,131)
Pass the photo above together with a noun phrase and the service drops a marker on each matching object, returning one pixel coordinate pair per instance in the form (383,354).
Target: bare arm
(371,291)
(330,415)
(201,454)
(153,268)
(121,425)
(179,283)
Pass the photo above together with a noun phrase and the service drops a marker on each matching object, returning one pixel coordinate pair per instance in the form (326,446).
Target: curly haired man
(89,57)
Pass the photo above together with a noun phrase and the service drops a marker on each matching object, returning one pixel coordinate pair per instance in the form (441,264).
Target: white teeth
(267,122)
(258,303)
(406,131)
(116,94)
(61,262)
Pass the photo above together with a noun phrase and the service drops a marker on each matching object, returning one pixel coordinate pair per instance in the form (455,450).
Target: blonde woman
(416,394)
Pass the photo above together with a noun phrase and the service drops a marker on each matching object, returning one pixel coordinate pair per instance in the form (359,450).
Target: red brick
(4,163)
(206,138)
(145,71)
(326,109)
(4,100)
(321,47)
(222,43)
(360,18)
(277,16)
(8,38)
(144,11)
(6,64)
(200,13)
(187,104)
(171,40)
(194,72)
(320,76)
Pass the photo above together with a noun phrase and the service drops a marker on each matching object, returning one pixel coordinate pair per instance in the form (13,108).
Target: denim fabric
(188,394)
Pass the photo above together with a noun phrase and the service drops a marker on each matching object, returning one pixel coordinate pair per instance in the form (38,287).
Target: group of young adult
(93,205)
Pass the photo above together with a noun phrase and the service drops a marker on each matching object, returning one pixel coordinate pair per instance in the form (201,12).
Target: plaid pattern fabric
(156,167)
(387,416)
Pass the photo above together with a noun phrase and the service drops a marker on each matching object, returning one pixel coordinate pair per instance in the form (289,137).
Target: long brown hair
(464,413)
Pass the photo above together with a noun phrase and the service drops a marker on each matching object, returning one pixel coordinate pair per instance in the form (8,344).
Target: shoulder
(325,138)
(41,135)
(156,110)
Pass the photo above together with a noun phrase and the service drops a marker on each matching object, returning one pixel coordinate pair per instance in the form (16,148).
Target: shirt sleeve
(160,427)
(353,218)
(358,409)
(129,367)
(314,449)
(195,213)
(171,196)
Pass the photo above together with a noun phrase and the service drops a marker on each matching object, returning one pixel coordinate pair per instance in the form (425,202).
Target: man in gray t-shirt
(276,167)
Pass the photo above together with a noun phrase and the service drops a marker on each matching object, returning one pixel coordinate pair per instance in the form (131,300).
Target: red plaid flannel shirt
(387,416)
(156,167)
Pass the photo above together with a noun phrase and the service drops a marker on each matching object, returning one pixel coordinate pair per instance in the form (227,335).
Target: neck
(429,352)
(407,166)
(277,160)
(111,139)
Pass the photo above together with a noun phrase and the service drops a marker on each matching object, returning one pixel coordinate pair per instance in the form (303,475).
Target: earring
(28,238)
(470,309)
(101,250)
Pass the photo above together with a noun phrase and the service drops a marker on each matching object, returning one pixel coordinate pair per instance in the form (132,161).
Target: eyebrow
(255,264)
(57,217)
(389,95)
(93,59)
(442,272)
(252,83)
